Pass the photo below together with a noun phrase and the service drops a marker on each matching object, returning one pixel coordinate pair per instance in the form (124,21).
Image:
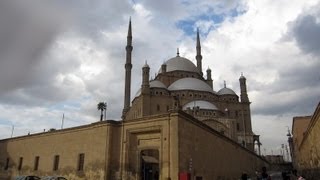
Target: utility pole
(62,121)
(105,112)
(12,129)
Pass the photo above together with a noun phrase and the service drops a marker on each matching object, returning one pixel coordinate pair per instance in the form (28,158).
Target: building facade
(177,125)
(305,146)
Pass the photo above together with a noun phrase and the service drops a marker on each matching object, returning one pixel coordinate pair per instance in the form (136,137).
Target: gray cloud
(295,91)
(306,32)
(27,30)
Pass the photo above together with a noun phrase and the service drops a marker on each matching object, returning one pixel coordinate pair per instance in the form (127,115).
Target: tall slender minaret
(243,89)
(128,67)
(199,56)
(209,78)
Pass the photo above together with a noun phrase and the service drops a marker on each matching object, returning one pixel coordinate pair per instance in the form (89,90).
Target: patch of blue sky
(5,122)
(235,12)
(189,25)
(66,105)
(70,105)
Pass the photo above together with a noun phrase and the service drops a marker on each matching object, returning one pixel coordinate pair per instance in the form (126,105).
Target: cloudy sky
(64,58)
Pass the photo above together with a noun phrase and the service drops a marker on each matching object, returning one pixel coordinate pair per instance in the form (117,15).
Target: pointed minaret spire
(243,89)
(128,67)
(199,56)
(198,40)
(209,78)
(178,54)
(224,84)
(129,37)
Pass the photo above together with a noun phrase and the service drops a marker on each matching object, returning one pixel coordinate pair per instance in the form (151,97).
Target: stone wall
(308,159)
(90,140)
(206,153)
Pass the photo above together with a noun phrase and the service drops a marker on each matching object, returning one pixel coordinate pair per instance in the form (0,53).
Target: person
(264,175)
(285,176)
(301,178)
(244,176)
(293,175)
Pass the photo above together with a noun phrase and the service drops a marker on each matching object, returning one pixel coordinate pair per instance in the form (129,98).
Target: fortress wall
(205,153)
(91,140)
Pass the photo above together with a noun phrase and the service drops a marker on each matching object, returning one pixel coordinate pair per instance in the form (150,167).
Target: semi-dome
(226,91)
(157,84)
(190,84)
(201,105)
(180,64)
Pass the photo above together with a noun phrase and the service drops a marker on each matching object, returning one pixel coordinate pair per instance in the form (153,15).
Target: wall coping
(66,130)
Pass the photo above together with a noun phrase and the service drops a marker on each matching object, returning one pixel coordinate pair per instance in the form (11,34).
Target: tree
(102,106)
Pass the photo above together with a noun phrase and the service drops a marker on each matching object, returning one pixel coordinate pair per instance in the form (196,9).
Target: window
(56,162)
(20,163)
(36,163)
(7,164)
(238,126)
(81,162)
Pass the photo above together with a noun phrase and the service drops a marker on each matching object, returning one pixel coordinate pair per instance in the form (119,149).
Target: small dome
(226,91)
(180,64)
(242,77)
(157,84)
(190,84)
(201,105)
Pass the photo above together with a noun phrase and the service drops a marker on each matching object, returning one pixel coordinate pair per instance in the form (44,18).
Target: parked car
(53,178)
(27,178)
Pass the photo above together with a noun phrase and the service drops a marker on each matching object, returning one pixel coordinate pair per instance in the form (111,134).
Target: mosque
(181,85)
(176,127)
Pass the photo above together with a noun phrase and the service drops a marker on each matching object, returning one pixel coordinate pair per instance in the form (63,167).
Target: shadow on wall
(6,162)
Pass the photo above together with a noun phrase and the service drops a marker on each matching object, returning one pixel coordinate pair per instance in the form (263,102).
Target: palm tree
(101,107)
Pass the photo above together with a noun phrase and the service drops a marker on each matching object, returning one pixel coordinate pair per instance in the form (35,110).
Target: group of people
(263,175)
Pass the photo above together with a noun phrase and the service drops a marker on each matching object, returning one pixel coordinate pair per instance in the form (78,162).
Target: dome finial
(178,54)
(146,64)
(225,83)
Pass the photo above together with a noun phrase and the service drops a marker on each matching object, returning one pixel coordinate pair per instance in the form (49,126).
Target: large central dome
(180,64)
(190,84)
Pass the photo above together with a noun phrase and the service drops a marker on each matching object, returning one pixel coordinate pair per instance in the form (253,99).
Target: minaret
(243,89)
(209,79)
(145,87)
(145,91)
(128,67)
(199,56)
